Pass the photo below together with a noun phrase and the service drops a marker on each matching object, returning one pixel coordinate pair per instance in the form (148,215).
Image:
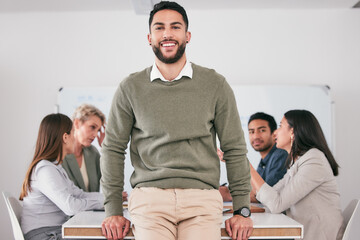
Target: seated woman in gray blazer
(49,196)
(308,192)
(83,166)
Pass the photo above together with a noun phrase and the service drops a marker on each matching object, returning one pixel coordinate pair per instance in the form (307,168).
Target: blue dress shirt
(272,167)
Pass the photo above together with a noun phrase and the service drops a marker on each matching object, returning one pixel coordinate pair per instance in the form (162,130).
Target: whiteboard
(272,99)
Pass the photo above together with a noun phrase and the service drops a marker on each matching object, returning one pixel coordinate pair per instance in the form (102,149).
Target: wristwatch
(244,211)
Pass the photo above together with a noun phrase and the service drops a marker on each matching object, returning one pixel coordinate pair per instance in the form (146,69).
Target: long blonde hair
(49,145)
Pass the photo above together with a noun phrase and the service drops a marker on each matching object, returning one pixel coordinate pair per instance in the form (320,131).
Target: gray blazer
(92,161)
(309,194)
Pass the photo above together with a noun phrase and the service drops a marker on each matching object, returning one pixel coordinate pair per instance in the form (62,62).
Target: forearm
(256,179)
(253,197)
(112,172)
(232,143)
(112,182)
(238,174)
(63,193)
(113,153)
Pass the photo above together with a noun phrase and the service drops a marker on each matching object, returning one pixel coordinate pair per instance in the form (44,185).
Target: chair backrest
(15,209)
(351,216)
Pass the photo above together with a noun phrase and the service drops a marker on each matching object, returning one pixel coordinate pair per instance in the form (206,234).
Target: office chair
(14,209)
(351,216)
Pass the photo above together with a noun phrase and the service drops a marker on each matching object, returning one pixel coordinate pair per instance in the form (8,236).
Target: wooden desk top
(266,225)
(255,208)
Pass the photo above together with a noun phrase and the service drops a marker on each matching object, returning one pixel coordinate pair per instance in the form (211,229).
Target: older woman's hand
(101,135)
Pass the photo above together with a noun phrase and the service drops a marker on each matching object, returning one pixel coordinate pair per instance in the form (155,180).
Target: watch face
(245,212)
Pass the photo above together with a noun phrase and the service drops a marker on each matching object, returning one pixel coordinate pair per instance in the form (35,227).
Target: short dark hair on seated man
(263,116)
(163,5)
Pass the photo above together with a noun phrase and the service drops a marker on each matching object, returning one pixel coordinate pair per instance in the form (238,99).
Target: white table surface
(91,219)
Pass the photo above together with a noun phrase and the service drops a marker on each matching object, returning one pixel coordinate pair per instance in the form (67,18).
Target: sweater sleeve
(232,143)
(117,135)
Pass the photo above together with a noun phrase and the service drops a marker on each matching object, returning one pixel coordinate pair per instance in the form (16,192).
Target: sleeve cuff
(241,201)
(259,194)
(114,208)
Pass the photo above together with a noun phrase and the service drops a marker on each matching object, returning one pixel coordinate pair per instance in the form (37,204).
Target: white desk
(266,226)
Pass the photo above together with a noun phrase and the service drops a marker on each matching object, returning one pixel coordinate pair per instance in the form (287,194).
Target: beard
(179,53)
(266,147)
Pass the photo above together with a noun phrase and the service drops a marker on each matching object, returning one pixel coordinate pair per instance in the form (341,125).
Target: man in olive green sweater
(172,113)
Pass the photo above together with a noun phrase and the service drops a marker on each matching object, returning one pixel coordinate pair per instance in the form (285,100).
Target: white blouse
(54,197)
(84,174)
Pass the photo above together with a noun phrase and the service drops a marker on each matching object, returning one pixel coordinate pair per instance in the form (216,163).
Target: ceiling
(143,6)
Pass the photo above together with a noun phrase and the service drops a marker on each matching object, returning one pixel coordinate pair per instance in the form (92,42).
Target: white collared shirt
(186,71)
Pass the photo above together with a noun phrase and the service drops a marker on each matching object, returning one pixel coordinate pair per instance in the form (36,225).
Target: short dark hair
(266,117)
(307,134)
(163,5)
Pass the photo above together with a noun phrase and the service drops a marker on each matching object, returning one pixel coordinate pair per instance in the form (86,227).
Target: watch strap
(241,211)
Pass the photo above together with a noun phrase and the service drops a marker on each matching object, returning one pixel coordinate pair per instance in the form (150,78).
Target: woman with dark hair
(48,195)
(308,192)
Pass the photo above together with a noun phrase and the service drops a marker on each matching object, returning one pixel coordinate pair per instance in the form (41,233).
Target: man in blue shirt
(262,128)
(271,168)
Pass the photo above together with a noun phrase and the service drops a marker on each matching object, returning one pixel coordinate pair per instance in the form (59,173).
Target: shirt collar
(266,159)
(187,71)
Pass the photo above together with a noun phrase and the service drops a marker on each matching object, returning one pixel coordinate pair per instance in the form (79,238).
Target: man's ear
(149,38)
(188,36)
(273,136)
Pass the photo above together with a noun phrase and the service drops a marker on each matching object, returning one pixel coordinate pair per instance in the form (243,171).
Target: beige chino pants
(181,214)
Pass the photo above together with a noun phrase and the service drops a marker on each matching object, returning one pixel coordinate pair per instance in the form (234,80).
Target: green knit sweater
(172,127)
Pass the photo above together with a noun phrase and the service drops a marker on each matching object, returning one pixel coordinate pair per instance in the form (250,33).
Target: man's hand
(225,193)
(239,228)
(115,227)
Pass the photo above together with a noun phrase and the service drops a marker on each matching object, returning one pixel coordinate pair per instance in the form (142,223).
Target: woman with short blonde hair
(83,166)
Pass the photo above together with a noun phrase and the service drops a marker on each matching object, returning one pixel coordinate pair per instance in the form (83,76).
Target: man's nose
(256,134)
(167,34)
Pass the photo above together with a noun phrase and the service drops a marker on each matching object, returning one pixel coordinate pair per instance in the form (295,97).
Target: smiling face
(260,135)
(283,135)
(168,36)
(86,132)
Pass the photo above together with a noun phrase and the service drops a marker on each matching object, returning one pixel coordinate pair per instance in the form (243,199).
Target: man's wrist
(244,212)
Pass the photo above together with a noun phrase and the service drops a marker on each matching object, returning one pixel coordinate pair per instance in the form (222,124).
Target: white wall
(40,52)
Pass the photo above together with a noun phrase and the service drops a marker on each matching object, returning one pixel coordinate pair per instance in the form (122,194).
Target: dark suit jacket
(92,161)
